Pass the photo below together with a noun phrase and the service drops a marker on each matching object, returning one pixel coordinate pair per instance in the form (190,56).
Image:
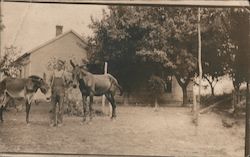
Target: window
(168,84)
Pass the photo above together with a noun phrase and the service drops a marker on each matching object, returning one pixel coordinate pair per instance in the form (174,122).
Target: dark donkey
(21,88)
(94,85)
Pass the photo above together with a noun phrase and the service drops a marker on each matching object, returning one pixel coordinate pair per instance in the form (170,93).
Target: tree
(7,65)
(116,39)
(172,42)
(237,19)
(132,38)
(214,42)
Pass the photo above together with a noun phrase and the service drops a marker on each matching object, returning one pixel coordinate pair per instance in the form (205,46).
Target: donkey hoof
(28,124)
(52,125)
(113,118)
(83,122)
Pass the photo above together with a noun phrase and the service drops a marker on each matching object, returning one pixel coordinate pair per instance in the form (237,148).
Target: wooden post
(194,105)
(103,97)
(196,112)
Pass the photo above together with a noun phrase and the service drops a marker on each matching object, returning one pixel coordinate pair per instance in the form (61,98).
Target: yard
(136,131)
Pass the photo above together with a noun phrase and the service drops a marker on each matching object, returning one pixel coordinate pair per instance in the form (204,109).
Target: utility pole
(103,97)
(197,105)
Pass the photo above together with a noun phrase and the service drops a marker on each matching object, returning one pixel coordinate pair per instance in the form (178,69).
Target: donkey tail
(120,88)
(115,82)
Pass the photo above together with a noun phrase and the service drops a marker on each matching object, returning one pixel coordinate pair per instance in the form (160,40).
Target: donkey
(94,85)
(21,88)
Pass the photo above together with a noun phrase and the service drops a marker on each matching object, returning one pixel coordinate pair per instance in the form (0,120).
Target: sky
(28,25)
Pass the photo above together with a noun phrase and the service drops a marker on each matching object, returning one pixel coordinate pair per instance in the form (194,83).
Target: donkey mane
(35,77)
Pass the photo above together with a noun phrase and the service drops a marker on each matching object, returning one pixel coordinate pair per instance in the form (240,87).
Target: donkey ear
(44,76)
(73,65)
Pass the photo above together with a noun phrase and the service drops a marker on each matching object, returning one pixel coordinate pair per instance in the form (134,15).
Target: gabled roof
(49,42)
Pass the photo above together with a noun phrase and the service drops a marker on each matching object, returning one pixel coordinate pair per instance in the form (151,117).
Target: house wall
(66,47)
(176,95)
(25,69)
(173,98)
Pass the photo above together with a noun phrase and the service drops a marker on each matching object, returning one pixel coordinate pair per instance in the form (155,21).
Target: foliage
(116,40)
(215,45)
(132,38)
(156,86)
(7,65)
(238,19)
(129,36)
(172,42)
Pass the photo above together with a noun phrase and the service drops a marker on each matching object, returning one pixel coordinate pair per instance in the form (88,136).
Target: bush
(73,102)
(156,87)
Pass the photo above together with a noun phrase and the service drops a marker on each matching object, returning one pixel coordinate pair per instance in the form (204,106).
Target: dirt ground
(136,131)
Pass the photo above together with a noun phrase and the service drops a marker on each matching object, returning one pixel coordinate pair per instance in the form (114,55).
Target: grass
(136,131)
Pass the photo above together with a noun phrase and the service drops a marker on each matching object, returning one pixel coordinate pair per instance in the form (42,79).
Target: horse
(21,88)
(94,85)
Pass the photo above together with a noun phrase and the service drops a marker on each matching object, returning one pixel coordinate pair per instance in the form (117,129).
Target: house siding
(69,46)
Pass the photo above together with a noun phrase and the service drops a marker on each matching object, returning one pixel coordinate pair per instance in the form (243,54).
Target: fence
(238,101)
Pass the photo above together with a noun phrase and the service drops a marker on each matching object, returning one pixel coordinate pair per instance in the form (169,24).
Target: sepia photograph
(125,78)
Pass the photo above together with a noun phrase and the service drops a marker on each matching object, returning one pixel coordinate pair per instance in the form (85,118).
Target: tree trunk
(236,100)
(211,86)
(237,91)
(185,97)
(210,82)
(212,90)
(183,86)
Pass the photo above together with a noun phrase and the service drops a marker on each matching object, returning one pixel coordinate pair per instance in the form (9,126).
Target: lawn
(136,131)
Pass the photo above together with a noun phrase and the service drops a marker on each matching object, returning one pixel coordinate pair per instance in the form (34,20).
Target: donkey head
(75,74)
(40,83)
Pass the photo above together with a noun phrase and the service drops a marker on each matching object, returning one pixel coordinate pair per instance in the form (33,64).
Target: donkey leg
(111,99)
(5,101)
(113,107)
(27,111)
(1,113)
(28,101)
(84,106)
(91,107)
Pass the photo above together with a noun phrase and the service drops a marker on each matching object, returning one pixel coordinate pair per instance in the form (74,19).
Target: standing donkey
(94,85)
(23,88)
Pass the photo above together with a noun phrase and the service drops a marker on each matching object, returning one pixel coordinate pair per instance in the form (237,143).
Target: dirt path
(137,130)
